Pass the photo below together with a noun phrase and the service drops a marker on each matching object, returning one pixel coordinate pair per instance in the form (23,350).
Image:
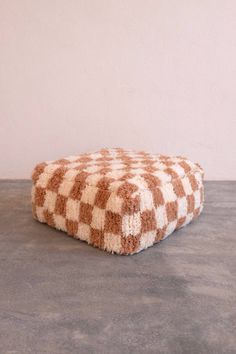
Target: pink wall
(77,75)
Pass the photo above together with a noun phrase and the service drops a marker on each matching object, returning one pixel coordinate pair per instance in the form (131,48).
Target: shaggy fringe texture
(118,200)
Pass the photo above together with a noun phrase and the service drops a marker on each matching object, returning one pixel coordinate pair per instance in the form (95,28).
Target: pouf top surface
(110,168)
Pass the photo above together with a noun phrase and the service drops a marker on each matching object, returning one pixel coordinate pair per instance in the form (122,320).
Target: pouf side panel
(175,205)
(90,214)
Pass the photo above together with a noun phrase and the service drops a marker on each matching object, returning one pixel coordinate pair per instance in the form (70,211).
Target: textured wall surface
(155,75)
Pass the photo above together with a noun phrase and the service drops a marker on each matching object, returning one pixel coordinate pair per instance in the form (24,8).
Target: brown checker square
(97,238)
(40,194)
(104,158)
(171,210)
(126,176)
(85,214)
(150,169)
(185,166)
(55,181)
(160,233)
(127,164)
(171,172)
(168,162)
(60,205)
(101,198)
(81,177)
(85,159)
(38,171)
(148,220)
(49,218)
(151,180)
(113,222)
(130,244)
(158,198)
(103,164)
(105,151)
(62,162)
(72,227)
(190,202)
(178,188)
(104,183)
(193,182)
(79,185)
(81,167)
(180,222)
(126,190)
(104,170)
(131,205)
(77,189)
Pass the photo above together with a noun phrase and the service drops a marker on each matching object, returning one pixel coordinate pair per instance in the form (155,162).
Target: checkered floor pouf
(119,200)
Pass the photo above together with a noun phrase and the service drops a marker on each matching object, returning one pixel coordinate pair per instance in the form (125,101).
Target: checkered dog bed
(118,200)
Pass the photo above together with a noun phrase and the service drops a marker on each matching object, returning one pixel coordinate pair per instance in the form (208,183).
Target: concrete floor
(59,295)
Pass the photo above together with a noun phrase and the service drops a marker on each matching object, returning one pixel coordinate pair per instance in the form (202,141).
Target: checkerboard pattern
(118,200)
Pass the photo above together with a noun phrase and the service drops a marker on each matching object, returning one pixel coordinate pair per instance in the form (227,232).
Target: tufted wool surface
(119,200)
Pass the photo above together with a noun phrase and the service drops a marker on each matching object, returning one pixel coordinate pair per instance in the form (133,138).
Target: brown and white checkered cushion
(119,200)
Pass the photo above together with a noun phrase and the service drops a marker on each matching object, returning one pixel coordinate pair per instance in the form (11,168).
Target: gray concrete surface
(59,295)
